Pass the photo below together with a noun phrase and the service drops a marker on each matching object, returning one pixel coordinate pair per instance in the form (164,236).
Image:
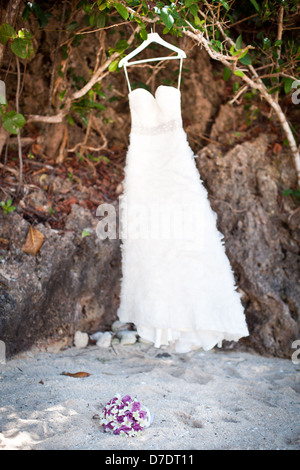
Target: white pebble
(117,325)
(96,336)
(127,336)
(105,340)
(81,339)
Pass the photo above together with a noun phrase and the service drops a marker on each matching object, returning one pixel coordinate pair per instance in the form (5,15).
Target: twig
(241,21)
(19,132)
(97,76)
(239,93)
(279,38)
(99,130)
(12,170)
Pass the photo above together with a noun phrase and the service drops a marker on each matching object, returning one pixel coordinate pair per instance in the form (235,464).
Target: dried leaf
(277,148)
(36,148)
(77,374)
(4,241)
(33,241)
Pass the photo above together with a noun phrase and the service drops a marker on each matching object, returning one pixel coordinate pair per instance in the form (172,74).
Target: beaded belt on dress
(160,129)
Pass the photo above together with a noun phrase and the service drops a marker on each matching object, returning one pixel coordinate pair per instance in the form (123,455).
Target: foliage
(246,32)
(7,206)
(11,120)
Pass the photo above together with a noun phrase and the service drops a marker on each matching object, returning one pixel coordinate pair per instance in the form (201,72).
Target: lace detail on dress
(160,129)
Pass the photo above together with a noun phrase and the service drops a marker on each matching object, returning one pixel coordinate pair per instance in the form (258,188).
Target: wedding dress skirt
(177,284)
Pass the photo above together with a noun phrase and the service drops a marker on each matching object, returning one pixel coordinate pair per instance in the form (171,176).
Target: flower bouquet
(124,416)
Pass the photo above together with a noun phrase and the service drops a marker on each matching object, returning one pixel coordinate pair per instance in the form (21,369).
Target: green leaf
(245,60)
(167,18)
(217,44)
(84,119)
(199,22)
(143,34)
(226,73)
(101,20)
(188,3)
(239,73)
(102,7)
(239,42)
(62,94)
(255,4)
(243,54)
(22,48)
(64,52)
(85,233)
(25,34)
(98,106)
(291,192)
(288,85)
(93,19)
(232,50)
(70,120)
(13,121)
(235,86)
(113,66)
(104,159)
(194,9)
(225,4)
(266,43)
(26,12)
(121,45)
(6,32)
(42,18)
(122,10)
(71,26)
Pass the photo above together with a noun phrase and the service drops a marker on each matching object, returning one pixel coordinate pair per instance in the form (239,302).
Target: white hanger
(152,37)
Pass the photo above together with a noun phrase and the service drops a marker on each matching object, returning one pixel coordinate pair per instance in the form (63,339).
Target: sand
(200,400)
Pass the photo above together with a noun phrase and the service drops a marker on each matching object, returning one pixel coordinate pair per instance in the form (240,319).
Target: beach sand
(200,400)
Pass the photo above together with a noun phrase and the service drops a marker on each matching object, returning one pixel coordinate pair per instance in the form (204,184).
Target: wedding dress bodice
(157,114)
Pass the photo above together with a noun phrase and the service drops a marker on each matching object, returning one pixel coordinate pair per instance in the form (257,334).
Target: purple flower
(108,426)
(136,406)
(126,399)
(125,429)
(129,415)
(137,427)
(112,401)
(143,414)
(120,419)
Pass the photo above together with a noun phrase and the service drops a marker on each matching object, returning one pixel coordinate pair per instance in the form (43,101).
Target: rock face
(71,284)
(261,232)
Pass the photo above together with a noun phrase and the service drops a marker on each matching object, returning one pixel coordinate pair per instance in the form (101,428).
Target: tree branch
(97,76)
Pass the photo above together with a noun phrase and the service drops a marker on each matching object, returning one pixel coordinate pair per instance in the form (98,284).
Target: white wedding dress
(177,284)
